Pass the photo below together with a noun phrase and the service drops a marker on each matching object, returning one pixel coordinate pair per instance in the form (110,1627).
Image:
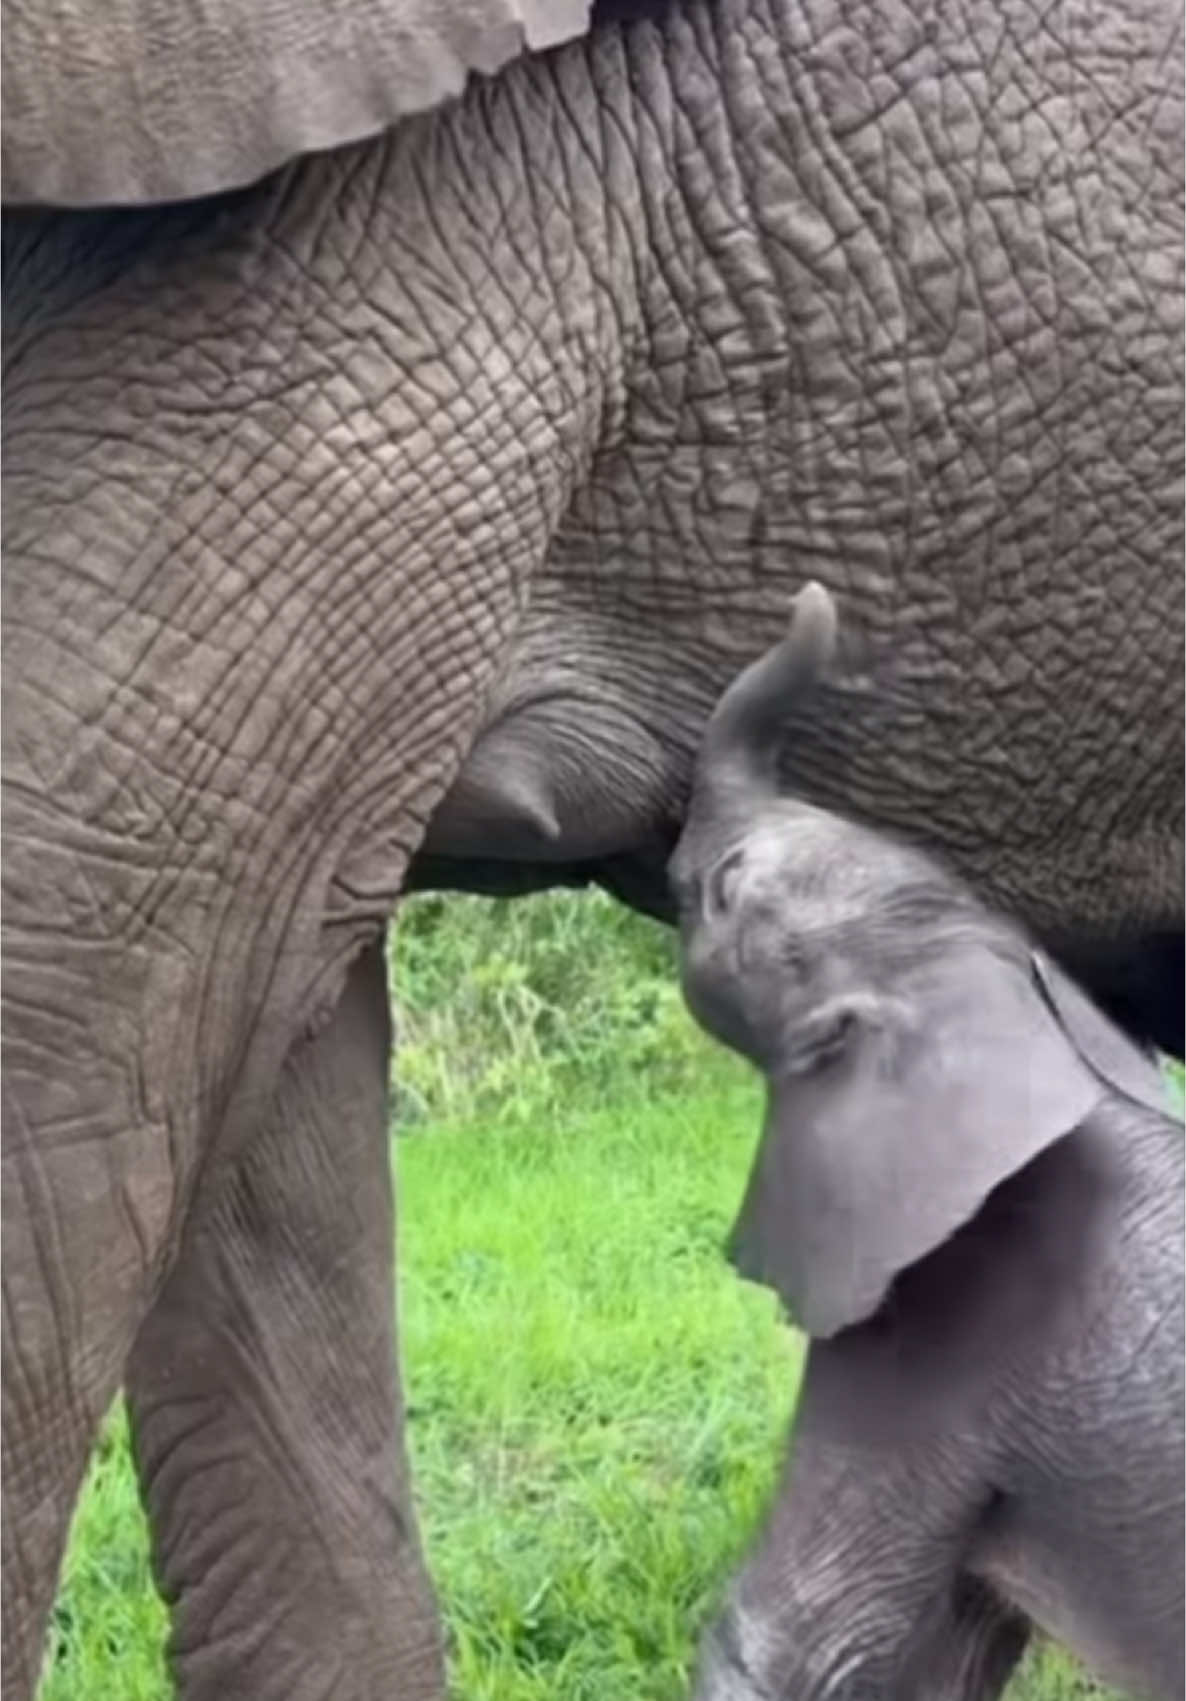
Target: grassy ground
(596,1401)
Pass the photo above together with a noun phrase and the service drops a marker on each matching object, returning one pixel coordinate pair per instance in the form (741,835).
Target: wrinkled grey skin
(262,84)
(970,1192)
(519,425)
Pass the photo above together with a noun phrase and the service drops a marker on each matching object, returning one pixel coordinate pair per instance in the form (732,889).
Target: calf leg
(974,1650)
(848,1592)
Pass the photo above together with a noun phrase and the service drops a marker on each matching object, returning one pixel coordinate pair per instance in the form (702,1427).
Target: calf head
(914,1056)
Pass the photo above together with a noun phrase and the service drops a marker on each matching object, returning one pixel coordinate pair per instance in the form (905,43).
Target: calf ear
(877,1155)
(1108,1052)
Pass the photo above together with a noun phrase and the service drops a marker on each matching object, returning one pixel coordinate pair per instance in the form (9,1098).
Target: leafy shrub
(507,1009)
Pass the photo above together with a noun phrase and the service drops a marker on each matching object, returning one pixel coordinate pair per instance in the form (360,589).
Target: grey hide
(396,520)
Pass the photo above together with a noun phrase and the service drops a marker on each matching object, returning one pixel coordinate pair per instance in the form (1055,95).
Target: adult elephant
(504,437)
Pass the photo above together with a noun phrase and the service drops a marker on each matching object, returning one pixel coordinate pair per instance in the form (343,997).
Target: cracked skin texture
(527,419)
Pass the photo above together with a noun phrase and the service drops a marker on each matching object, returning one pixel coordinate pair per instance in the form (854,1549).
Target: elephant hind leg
(264,1400)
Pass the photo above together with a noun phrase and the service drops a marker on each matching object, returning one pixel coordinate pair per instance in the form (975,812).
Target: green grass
(596,1414)
(597,1403)
(106,1639)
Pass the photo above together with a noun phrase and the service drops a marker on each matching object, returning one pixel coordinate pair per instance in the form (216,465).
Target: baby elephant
(969,1193)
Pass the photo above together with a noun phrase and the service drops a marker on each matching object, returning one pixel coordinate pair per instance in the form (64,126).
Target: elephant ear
(132,101)
(1108,1052)
(880,1152)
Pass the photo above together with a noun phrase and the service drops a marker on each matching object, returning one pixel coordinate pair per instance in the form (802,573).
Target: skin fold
(969,1192)
(436,485)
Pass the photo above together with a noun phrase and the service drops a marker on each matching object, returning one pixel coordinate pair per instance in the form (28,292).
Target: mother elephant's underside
(503,438)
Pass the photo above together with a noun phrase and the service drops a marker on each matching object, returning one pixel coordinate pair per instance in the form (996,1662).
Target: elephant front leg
(265,1402)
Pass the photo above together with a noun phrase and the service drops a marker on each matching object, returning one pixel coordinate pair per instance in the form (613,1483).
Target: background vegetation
(597,1403)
